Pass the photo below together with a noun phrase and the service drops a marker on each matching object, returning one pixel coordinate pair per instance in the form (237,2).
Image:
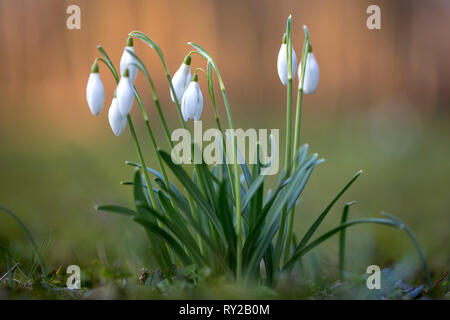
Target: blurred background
(382,106)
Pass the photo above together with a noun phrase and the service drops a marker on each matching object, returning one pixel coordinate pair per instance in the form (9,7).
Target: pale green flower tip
(305,30)
(195,77)
(129,42)
(126,73)
(94,68)
(284,41)
(187,60)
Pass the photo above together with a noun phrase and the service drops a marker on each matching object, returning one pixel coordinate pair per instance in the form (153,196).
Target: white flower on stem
(125,94)
(311,74)
(128,61)
(181,79)
(95,93)
(117,121)
(282,64)
(192,101)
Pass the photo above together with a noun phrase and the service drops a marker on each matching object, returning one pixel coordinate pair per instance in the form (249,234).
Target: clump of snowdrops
(223,217)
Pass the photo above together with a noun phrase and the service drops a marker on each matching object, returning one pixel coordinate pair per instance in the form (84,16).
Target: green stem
(287,158)
(298,120)
(297,131)
(217,119)
(237,186)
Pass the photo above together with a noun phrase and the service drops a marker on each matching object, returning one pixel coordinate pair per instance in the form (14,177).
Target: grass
(94,179)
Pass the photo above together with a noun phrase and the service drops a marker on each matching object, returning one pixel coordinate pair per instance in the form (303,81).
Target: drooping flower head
(192,101)
(125,94)
(117,122)
(312,73)
(282,64)
(181,79)
(95,93)
(127,61)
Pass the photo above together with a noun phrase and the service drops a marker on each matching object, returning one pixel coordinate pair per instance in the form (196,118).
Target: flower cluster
(185,86)
(311,76)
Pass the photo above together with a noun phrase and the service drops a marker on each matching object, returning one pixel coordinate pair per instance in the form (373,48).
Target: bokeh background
(382,106)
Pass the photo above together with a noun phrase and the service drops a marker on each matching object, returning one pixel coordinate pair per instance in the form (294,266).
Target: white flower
(282,62)
(117,122)
(192,101)
(311,74)
(125,94)
(181,79)
(95,93)
(128,61)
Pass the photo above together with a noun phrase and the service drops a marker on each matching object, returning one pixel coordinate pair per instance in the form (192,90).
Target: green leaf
(194,191)
(117,209)
(401,225)
(165,237)
(319,220)
(300,251)
(29,238)
(342,239)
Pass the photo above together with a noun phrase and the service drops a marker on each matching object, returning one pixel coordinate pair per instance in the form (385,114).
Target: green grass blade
(29,238)
(194,191)
(117,209)
(403,226)
(165,237)
(300,251)
(342,239)
(319,220)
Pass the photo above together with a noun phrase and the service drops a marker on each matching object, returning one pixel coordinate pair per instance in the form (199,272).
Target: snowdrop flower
(181,79)
(192,101)
(116,120)
(95,93)
(311,74)
(282,62)
(127,60)
(125,94)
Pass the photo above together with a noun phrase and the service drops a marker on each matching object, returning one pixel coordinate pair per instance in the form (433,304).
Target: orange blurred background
(45,66)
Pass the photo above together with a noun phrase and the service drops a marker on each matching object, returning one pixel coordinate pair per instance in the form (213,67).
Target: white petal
(312,73)
(95,93)
(117,122)
(199,109)
(192,102)
(128,61)
(180,81)
(125,96)
(282,63)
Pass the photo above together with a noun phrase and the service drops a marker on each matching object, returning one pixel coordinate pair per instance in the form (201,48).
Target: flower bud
(282,64)
(125,94)
(117,122)
(311,74)
(95,93)
(192,101)
(181,79)
(127,61)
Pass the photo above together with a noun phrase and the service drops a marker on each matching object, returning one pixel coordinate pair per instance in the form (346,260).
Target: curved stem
(297,132)
(237,186)
(162,118)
